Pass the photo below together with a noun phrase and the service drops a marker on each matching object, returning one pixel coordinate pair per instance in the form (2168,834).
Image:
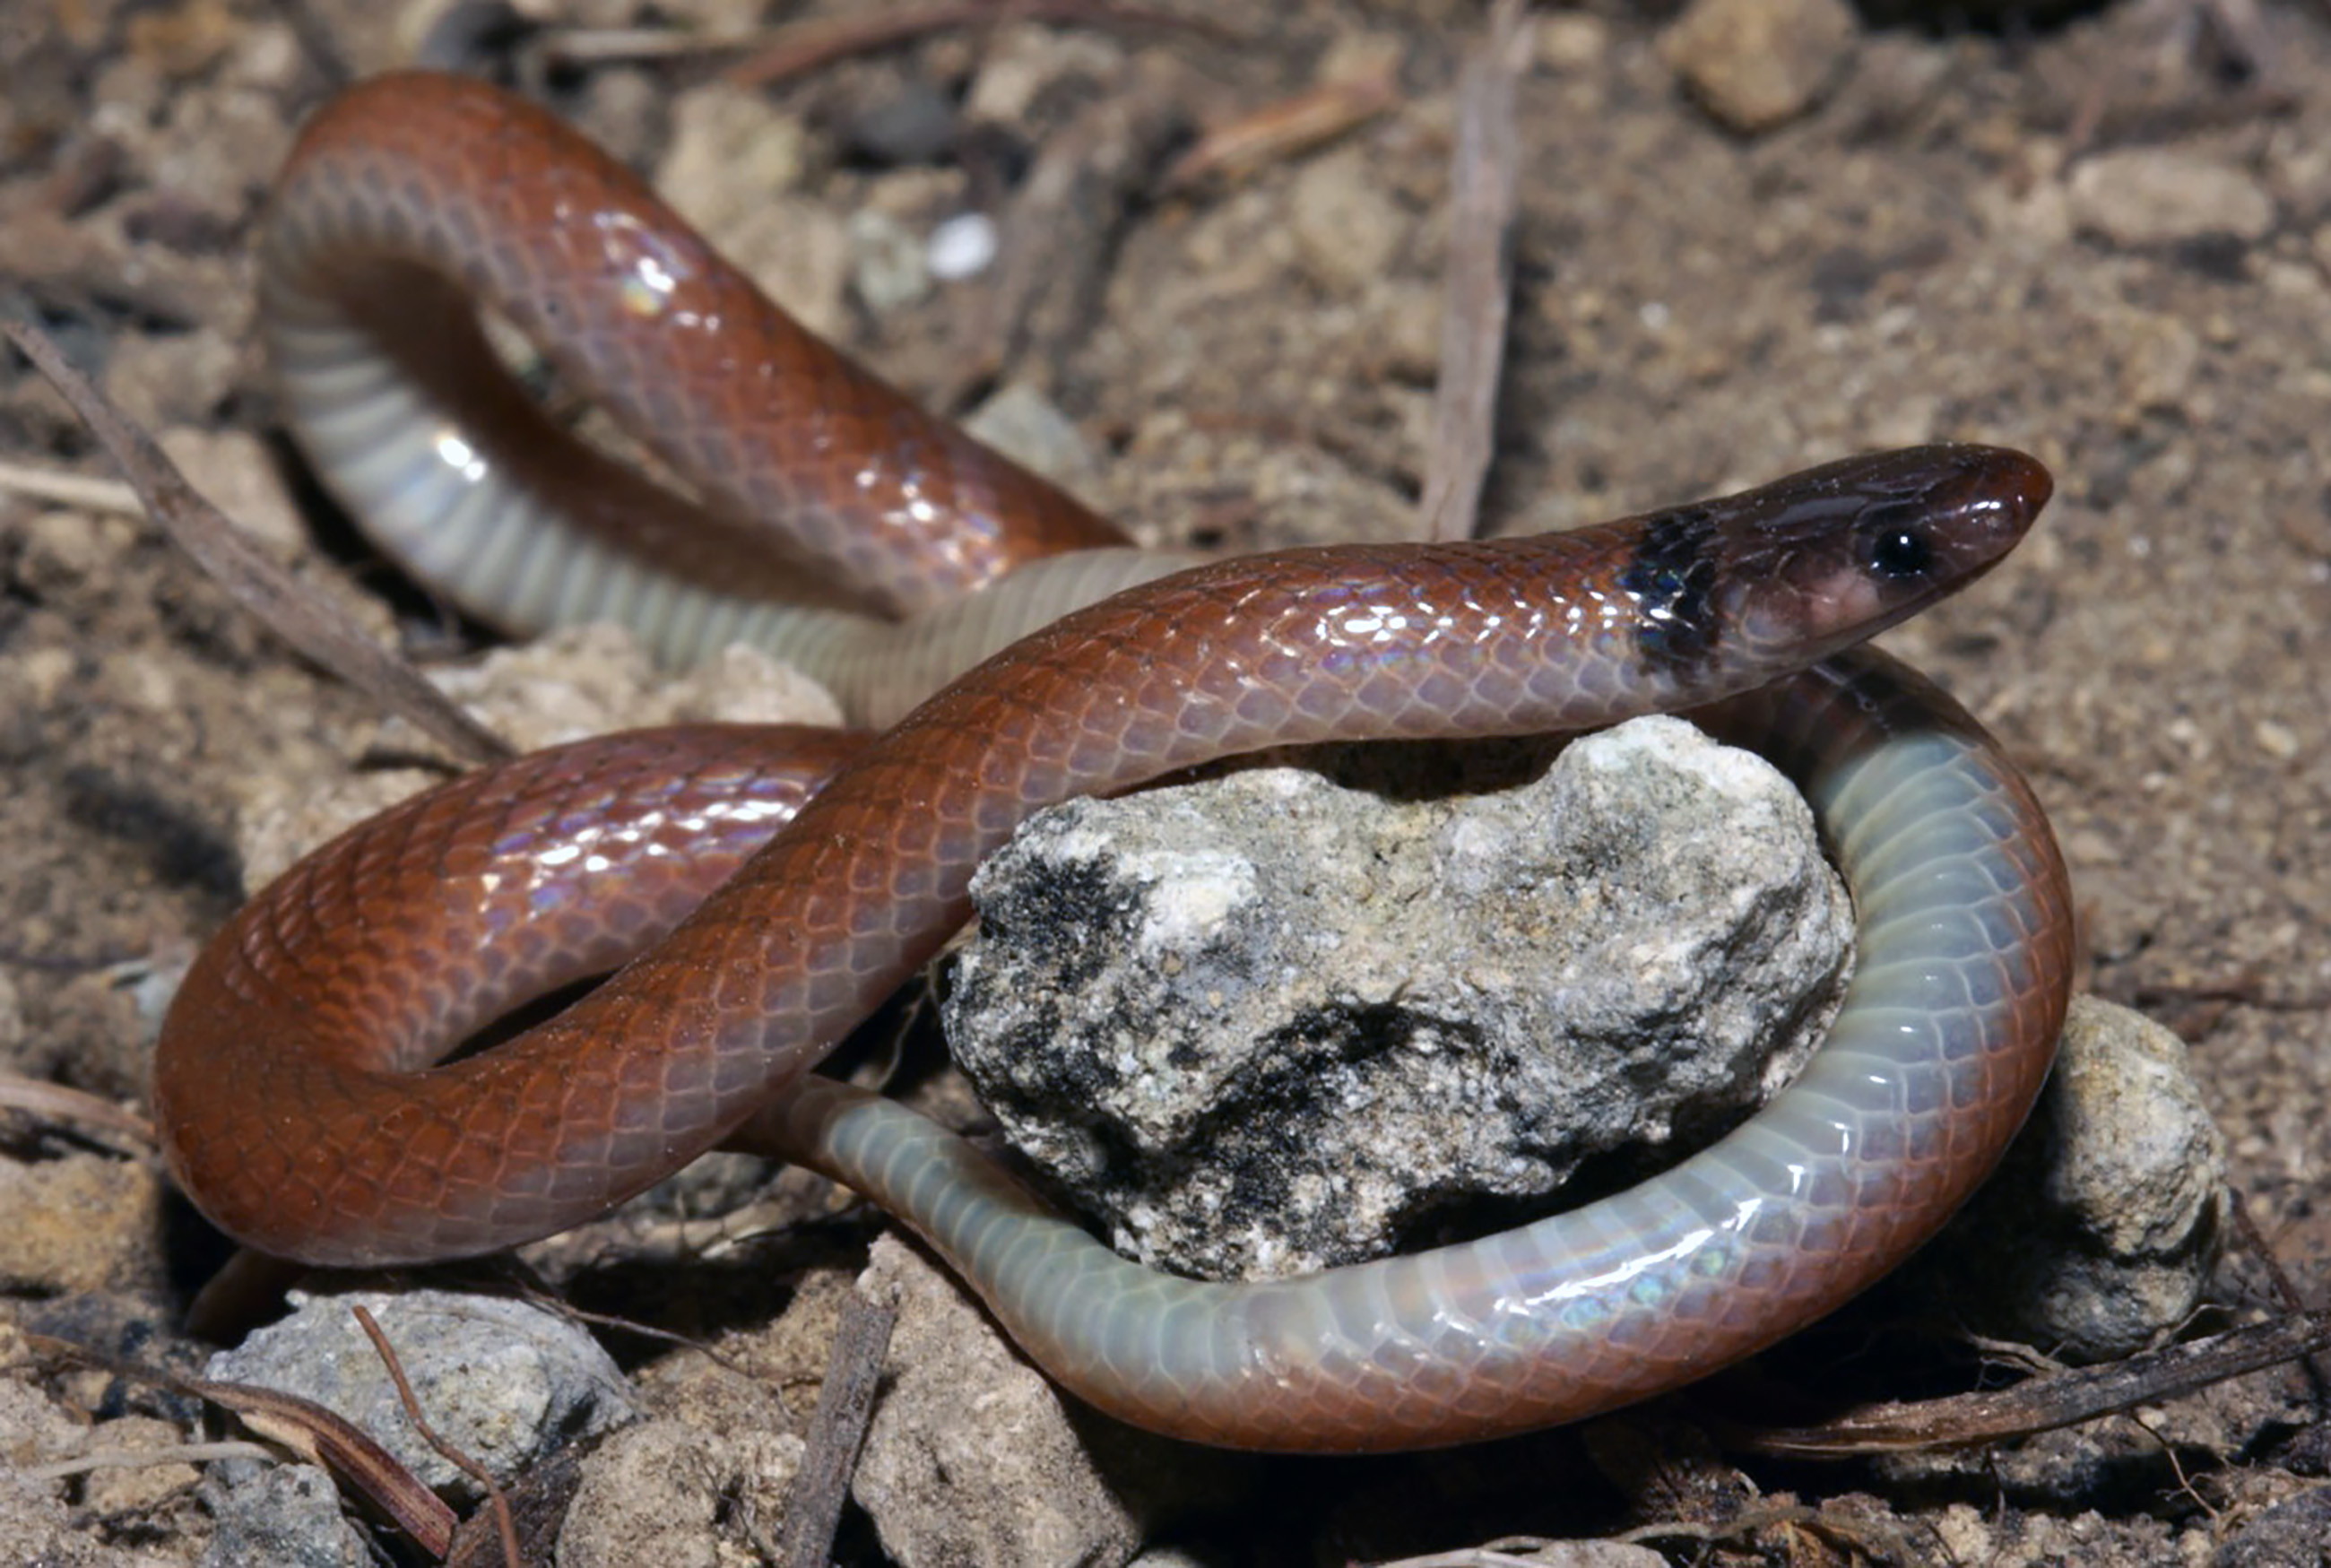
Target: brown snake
(294,1080)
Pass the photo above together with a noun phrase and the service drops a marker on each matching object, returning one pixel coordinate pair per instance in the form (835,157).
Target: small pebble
(1755,64)
(730,151)
(2099,1232)
(964,246)
(912,125)
(887,263)
(1570,42)
(506,1381)
(1345,227)
(234,474)
(1026,426)
(2152,197)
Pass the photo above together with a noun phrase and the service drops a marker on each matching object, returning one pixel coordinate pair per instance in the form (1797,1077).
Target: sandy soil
(1968,239)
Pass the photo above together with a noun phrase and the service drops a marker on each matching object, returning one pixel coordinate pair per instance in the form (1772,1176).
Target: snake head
(1824,558)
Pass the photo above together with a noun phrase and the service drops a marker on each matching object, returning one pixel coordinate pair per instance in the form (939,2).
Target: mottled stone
(1269,1024)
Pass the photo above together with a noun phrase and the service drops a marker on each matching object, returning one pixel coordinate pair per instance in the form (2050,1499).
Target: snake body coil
(294,1080)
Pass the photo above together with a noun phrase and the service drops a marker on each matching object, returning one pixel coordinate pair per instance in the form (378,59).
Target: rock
(622,108)
(80,1222)
(797,253)
(2029,1536)
(504,1381)
(888,269)
(1755,64)
(1360,58)
(2157,196)
(215,148)
(1024,63)
(1572,43)
(739,684)
(913,124)
(234,474)
(182,379)
(1403,333)
(99,1031)
(678,1497)
(1268,1025)
(731,170)
(287,1516)
(2104,1224)
(39,1529)
(181,41)
(120,1489)
(963,246)
(128,93)
(973,1458)
(1029,427)
(34,1429)
(39,675)
(2162,360)
(59,550)
(2291,1533)
(730,150)
(1347,228)
(590,679)
(265,56)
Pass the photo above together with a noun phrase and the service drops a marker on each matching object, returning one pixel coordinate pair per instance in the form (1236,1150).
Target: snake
(752,893)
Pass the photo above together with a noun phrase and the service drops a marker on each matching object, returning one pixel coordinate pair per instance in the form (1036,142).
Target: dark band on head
(1673,579)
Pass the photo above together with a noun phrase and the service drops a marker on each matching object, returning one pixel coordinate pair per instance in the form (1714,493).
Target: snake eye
(1901,552)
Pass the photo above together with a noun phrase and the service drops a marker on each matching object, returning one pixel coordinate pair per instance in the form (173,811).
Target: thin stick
(84,493)
(814,1504)
(504,1524)
(2043,1403)
(1276,132)
(1484,180)
(320,1436)
(147,1459)
(288,607)
(39,1097)
(2278,1281)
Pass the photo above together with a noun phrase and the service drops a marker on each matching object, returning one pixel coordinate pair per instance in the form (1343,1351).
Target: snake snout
(1981,502)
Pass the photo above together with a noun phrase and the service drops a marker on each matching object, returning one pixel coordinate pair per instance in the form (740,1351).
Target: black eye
(1901,553)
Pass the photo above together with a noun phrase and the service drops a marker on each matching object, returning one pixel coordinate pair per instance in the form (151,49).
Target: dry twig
(320,1436)
(1237,148)
(539,1502)
(83,492)
(1484,182)
(145,1459)
(58,1103)
(288,607)
(452,1455)
(814,1504)
(2055,1399)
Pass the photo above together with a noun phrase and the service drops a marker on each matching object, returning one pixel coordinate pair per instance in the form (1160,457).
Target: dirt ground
(2106,241)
